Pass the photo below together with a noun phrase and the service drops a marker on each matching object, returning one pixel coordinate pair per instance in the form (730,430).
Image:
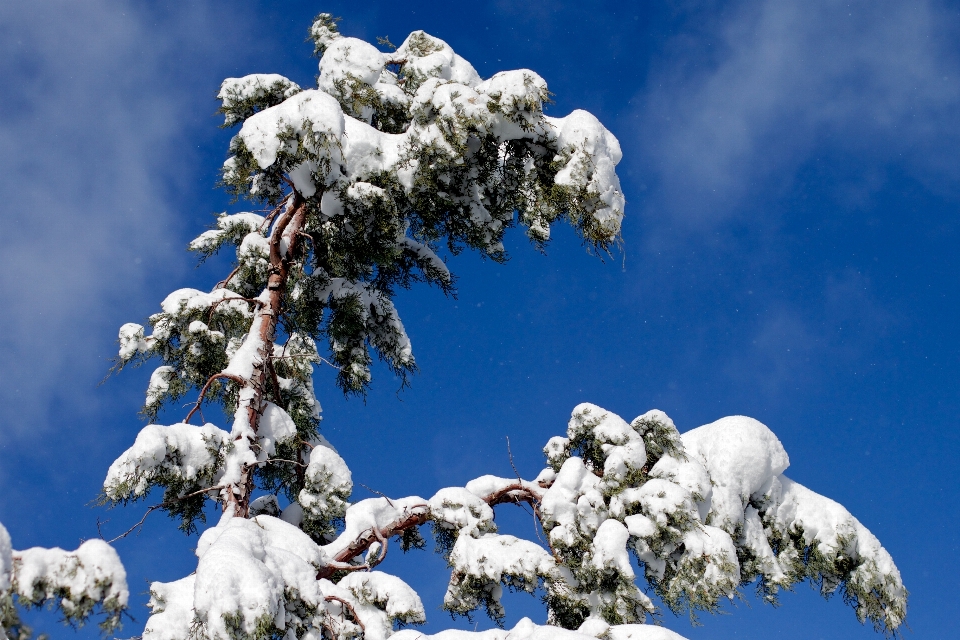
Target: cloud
(789,81)
(91,115)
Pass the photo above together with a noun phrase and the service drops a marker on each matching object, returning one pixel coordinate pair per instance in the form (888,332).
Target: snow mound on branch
(573,507)
(183,301)
(366,152)
(249,571)
(488,485)
(690,474)
(349,58)
(250,86)
(171,604)
(518,94)
(481,564)
(833,538)
(641,632)
(327,487)
(609,548)
(741,455)
(460,509)
(237,223)
(159,384)
(313,116)
(259,577)
(430,57)
(79,579)
(383,599)
(275,426)
(132,341)
(592,154)
(240,97)
(182,453)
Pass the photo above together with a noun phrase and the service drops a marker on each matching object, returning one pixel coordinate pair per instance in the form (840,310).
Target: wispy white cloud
(91,118)
(788,81)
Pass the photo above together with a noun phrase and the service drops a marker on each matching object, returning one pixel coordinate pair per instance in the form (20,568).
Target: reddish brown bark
(512,493)
(287,229)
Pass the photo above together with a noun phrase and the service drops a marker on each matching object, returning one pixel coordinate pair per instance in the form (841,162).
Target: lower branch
(514,493)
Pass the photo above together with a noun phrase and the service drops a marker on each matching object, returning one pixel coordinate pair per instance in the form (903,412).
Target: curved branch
(217,302)
(374,534)
(514,493)
(223,283)
(203,392)
(349,607)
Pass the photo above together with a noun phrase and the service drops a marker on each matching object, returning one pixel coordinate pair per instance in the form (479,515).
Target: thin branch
(153,508)
(344,566)
(273,214)
(299,464)
(217,302)
(382,495)
(325,361)
(349,607)
(195,493)
(223,283)
(203,392)
(131,529)
(510,453)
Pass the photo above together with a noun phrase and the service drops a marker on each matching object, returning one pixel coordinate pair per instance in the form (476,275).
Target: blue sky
(793,212)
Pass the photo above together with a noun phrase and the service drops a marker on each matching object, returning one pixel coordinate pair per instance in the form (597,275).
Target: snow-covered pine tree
(364,178)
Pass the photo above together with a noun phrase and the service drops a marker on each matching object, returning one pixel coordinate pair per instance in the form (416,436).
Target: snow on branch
(78,583)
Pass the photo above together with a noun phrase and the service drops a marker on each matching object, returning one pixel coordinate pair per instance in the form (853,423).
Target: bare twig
(325,361)
(382,495)
(131,529)
(510,453)
(153,508)
(195,493)
(283,460)
(273,214)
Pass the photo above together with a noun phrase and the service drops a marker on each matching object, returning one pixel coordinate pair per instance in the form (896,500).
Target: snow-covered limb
(76,582)
(707,513)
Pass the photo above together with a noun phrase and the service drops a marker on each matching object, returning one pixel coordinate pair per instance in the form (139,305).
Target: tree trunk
(283,241)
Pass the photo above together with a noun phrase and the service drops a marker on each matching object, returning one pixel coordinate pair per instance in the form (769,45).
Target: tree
(363,180)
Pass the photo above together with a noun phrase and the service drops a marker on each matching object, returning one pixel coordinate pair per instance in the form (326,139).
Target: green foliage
(322,31)
(238,104)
